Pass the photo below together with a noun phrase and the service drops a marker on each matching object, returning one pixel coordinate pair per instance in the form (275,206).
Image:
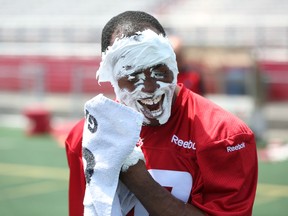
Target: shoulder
(210,121)
(74,139)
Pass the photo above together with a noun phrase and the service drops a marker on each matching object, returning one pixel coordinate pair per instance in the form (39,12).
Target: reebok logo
(236,147)
(185,144)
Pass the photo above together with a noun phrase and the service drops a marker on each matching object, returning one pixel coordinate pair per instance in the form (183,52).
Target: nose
(150,84)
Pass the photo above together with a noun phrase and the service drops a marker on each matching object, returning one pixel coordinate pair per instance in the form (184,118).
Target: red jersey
(204,155)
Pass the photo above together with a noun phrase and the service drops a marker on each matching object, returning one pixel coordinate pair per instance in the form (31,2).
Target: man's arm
(76,172)
(156,199)
(229,176)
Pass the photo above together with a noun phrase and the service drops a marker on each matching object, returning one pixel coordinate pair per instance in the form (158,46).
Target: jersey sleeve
(76,178)
(229,173)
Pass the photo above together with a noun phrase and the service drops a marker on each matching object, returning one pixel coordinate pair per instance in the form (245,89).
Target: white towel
(110,134)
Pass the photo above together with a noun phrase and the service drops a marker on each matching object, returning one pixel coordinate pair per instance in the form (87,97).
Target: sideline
(265,192)
(31,189)
(31,171)
(52,179)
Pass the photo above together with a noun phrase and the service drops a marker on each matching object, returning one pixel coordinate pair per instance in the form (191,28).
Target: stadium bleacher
(64,39)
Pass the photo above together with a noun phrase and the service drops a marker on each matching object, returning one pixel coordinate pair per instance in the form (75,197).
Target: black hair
(128,23)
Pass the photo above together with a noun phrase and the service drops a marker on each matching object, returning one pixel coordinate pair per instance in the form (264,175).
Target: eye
(132,78)
(159,71)
(158,74)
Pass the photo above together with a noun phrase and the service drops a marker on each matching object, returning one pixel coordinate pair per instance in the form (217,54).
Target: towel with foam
(110,134)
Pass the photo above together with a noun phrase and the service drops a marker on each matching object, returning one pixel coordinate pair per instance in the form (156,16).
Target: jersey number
(179,182)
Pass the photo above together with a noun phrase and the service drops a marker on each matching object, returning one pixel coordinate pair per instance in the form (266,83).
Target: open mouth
(152,107)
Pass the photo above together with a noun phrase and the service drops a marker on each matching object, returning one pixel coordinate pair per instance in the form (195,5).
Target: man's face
(143,71)
(149,91)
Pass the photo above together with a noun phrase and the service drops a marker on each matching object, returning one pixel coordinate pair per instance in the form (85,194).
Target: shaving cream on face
(130,99)
(130,54)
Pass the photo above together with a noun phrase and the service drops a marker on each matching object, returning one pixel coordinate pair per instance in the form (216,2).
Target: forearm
(156,199)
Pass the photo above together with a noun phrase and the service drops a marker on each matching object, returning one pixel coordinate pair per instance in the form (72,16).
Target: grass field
(33,175)
(34,178)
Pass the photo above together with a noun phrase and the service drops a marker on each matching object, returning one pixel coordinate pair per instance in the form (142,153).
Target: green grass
(272,192)
(33,175)
(34,178)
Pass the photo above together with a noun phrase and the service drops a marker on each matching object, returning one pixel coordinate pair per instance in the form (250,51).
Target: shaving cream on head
(130,54)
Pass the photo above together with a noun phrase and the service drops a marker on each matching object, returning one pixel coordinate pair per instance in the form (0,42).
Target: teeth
(151,101)
(156,113)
